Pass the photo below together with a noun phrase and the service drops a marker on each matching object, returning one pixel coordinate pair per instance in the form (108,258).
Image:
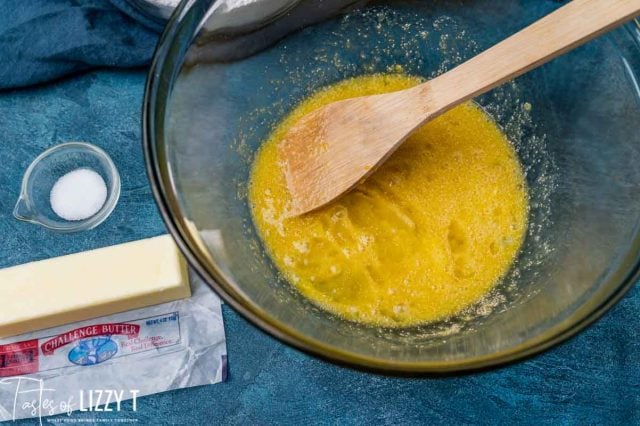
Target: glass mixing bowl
(223,75)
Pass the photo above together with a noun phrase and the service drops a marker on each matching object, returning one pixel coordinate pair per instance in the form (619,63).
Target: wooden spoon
(332,149)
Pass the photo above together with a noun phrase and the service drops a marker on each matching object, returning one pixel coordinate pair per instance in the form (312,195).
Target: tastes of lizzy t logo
(31,398)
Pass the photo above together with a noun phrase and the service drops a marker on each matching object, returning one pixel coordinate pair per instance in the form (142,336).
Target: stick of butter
(94,283)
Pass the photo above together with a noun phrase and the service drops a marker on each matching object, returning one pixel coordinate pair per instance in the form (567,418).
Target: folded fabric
(41,40)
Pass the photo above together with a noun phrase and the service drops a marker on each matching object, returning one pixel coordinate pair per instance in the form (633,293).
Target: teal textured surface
(592,379)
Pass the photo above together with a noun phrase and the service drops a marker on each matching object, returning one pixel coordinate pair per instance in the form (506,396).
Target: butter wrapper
(99,363)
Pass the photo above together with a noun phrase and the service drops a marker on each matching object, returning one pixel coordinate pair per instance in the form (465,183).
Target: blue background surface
(592,379)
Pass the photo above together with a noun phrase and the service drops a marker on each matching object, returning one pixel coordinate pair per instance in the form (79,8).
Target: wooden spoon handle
(551,36)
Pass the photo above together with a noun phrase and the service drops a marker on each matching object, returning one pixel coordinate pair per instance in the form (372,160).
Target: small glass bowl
(34,204)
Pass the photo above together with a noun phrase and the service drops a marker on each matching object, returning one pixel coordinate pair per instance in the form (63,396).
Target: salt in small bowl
(34,203)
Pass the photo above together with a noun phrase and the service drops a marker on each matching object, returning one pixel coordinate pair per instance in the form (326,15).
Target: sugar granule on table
(78,194)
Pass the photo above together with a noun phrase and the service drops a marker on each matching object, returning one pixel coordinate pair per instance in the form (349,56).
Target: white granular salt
(78,195)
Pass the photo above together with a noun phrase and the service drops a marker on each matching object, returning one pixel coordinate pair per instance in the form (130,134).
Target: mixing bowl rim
(161,186)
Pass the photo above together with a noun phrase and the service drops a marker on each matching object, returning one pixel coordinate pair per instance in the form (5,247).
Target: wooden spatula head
(330,150)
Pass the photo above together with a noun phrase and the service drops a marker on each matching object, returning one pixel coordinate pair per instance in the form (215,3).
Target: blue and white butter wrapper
(117,357)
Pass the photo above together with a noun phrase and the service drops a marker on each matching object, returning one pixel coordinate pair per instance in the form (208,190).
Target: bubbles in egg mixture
(386,39)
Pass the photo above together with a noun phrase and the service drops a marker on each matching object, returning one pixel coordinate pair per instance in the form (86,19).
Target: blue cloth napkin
(41,40)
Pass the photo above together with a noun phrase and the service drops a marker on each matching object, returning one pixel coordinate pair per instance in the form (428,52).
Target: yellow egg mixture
(425,236)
